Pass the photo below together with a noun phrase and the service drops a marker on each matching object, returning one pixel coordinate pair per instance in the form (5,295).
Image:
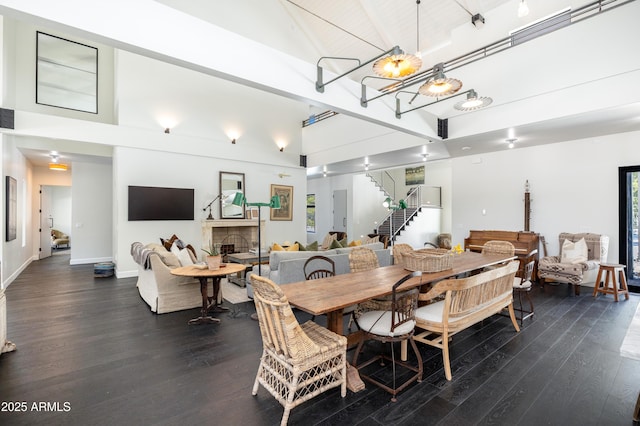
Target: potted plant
(213,257)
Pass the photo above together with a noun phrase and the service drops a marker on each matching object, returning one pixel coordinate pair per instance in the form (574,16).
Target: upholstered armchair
(570,266)
(58,238)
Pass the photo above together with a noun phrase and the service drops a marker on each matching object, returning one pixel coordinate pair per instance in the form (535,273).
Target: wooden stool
(610,277)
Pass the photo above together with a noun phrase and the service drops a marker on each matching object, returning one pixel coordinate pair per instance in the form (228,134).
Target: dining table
(332,294)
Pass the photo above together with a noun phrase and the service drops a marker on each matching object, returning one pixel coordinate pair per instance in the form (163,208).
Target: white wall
(17,253)
(368,210)
(154,168)
(91,213)
(574,188)
(23,88)
(425,227)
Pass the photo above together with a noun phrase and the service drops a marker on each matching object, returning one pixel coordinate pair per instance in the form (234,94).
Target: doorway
(340,210)
(55,214)
(628,211)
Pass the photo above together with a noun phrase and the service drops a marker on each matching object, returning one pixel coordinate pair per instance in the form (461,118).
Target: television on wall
(156,203)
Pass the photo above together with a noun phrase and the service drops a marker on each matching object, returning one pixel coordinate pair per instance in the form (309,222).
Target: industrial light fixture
(473,102)
(233,141)
(440,85)
(366,163)
(511,142)
(167,130)
(274,203)
(424,156)
(438,100)
(397,64)
(523,9)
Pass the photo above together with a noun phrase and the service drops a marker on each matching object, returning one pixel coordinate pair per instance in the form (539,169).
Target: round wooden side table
(203,275)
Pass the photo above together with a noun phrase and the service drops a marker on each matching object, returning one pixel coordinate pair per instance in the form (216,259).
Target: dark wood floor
(93,344)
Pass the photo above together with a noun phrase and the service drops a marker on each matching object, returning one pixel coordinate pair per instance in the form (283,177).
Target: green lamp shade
(239,199)
(387,202)
(275,202)
(402,204)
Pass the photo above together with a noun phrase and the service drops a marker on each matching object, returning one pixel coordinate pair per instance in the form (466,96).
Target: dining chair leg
(445,355)
(512,315)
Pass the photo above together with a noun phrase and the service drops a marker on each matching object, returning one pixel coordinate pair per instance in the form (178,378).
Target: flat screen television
(155,203)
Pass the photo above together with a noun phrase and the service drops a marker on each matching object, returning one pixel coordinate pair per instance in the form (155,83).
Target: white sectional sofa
(287,266)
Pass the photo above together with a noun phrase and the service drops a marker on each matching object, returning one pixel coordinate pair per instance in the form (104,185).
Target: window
(311,212)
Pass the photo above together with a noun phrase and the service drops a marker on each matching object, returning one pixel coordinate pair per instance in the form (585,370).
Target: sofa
(287,266)
(161,290)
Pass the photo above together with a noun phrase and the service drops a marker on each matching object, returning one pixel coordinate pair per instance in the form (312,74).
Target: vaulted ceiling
(442,30)
(552,89)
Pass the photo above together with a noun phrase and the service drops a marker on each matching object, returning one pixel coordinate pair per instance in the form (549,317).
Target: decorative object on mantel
(284,211)
(210,217)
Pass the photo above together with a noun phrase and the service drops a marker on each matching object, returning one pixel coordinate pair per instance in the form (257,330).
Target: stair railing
(413,201)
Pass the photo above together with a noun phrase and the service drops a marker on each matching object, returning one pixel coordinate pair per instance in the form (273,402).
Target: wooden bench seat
(467,301)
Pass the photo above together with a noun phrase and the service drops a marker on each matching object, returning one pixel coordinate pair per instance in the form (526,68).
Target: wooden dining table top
(324,295)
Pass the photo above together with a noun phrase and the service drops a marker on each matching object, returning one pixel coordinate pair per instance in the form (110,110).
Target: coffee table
(248,260)
(203,276)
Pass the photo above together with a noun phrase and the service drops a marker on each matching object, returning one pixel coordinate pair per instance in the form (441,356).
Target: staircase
(398,220)
(401,219)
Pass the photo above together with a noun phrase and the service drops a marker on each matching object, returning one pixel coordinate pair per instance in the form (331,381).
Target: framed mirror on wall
(66,74)
(230,185)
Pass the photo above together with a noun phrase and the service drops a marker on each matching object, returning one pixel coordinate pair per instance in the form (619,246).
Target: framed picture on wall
(11,213)
(414,175)
(285,212)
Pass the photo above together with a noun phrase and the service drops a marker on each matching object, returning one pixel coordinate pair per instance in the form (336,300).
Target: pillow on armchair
(571,252)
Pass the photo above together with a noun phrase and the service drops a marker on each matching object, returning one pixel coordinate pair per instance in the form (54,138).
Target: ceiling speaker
(443,128)
(6,118)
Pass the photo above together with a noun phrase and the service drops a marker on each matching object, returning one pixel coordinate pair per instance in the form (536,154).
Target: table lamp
(274,203)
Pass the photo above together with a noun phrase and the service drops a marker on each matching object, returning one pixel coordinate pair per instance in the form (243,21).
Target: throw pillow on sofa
(335,244)
(168,258)
(183,254)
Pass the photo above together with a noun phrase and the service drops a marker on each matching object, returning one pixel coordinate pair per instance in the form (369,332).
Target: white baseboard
(91,260)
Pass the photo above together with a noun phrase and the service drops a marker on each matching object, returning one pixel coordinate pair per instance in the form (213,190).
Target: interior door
(46,222)
(340,210)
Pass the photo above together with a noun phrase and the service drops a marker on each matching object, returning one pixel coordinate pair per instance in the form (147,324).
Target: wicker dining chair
(390,321)
(362,259)
(319,267)
(299,361)
(398,251)
(498,247)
